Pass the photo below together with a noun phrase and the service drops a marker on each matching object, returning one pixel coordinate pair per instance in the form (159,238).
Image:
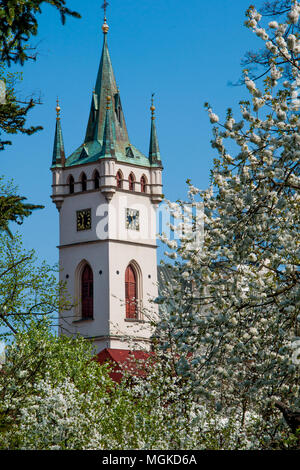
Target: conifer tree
(18,25)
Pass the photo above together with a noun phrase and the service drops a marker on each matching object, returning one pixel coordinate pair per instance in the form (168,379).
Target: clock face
(132,219)
(84,220)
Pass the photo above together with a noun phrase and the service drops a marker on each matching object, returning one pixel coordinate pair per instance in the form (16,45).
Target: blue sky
(185,52)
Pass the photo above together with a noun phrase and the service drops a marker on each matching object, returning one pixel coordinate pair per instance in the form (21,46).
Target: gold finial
(57,109)
(108,100)
(105,26)
(152,106)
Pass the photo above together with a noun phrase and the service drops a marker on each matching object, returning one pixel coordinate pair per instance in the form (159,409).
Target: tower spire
(154,153)
(106,85)
(58,158)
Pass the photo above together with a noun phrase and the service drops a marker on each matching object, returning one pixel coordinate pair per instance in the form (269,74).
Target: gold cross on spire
(104,6)
(57,109)
(152,106)
(105,26)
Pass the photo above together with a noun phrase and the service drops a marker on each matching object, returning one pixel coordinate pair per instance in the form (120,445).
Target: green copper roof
(92,152)
(106,133)
(154,153)
(106,85)
(108,147)
(58,158)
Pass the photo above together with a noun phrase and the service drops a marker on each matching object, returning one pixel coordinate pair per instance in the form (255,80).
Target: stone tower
(107,193)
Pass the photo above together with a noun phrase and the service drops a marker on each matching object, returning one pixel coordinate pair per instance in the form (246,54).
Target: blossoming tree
(231,315)
(259,61)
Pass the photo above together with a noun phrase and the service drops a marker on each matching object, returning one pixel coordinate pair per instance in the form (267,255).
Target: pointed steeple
(106,132)
(106,85)
(108,145)
(154,153)
(58,158)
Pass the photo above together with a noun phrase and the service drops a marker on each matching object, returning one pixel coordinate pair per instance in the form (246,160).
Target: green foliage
(13,114)
(53,396)
(12,206)
(27,290)
(291,441)
(37,364)
(18,23)
(233,303)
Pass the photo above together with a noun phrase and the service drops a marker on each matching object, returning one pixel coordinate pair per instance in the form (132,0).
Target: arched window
(143,184)
(71,184)
(87,294)
(119,180)
(96,180)
(131,292)
(131,180)
(83,182)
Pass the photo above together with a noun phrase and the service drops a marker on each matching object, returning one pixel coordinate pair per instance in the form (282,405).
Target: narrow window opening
(119,180)
(71,185)
(87,294)
(96,180)
(131,293)
(131,182)
(83,182)
(143,184)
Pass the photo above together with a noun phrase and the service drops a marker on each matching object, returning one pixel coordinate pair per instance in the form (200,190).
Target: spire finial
(105,26)
(152,106)
(57,109)
(154,153)
(108,100)
(58,158)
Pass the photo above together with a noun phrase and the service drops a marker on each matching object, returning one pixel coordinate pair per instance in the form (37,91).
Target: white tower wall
(108,247)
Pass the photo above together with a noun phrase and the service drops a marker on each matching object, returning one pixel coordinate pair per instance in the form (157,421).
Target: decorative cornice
(134,165)
(119,337)
(107,240)
(88,191)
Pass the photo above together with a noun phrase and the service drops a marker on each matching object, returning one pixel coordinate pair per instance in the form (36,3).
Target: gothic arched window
(131,180)
(87,292)
(143,184)
(119,179)
(96,180)
(83,182)
(131,292)
(71,184)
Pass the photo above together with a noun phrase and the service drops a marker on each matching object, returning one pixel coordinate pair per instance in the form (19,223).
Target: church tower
(107,193)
